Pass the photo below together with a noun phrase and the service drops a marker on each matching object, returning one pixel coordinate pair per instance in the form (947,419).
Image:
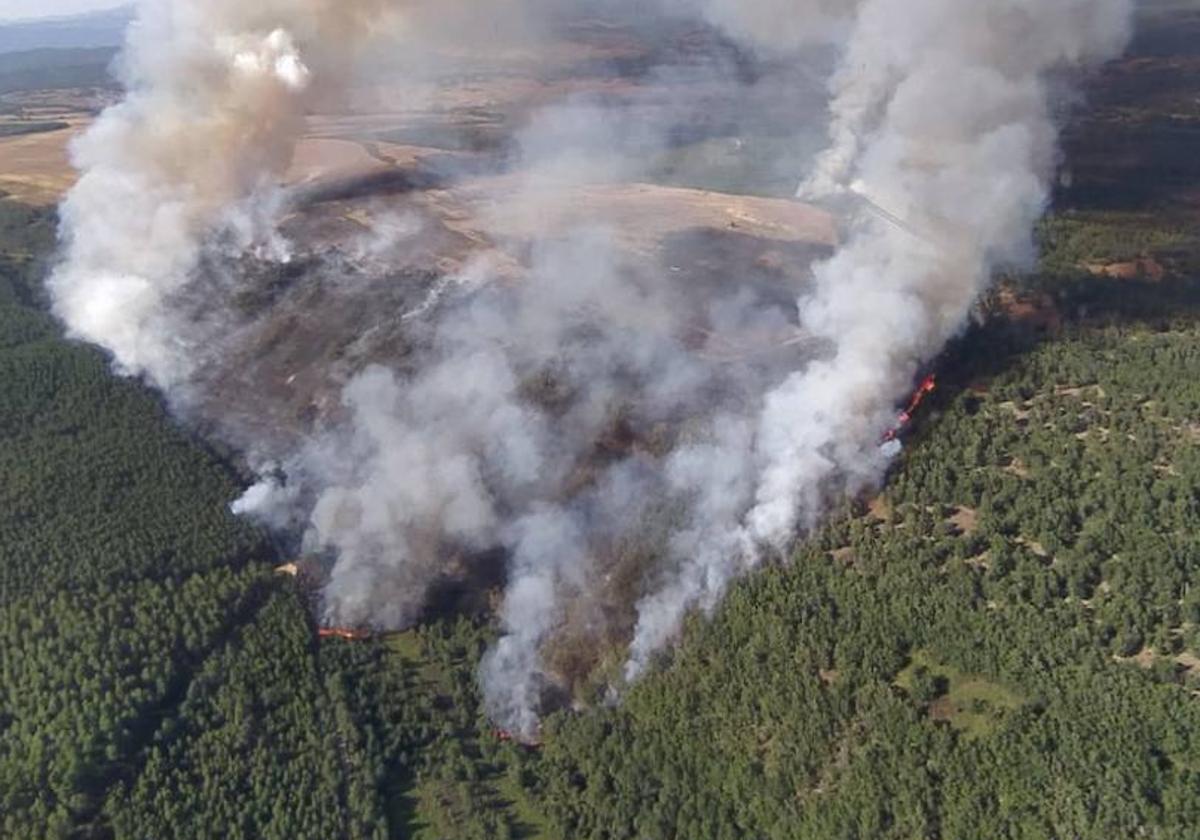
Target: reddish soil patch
(845,556)
(1036,310)
(1189,662)
(1017,468)
(1144,268)
(880,509)
(942,709)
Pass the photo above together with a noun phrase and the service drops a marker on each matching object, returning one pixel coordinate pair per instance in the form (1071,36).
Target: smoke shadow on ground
(987,350)
(1132,167)
(468,587)
(374,185)
(1135,147)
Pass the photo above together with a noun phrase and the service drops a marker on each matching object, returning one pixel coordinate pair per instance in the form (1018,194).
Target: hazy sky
(31,9)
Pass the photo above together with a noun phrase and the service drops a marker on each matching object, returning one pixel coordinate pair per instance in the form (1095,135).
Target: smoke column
(217,91)
(940,115)
(939,123)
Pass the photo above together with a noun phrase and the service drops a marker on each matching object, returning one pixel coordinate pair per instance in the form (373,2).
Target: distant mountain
(97,29)
(55,69)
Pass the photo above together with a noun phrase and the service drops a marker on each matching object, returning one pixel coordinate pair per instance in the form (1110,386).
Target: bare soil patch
(966,520)
(880,509)
(1143,268)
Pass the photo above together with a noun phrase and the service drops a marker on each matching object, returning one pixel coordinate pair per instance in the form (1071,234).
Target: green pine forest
(1002,644)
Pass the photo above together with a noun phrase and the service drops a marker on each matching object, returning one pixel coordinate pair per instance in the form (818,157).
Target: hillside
(1004,642)
(81,31)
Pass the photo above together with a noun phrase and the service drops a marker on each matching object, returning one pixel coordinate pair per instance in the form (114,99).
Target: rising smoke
(578,410)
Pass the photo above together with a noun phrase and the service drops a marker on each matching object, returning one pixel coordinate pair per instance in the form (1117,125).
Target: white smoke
(493,436)
(780,24)
(217,92)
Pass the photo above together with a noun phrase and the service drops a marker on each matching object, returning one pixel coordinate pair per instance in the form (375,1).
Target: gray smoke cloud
(778,25)
(940,112)
(940,116)
(217,92)
(604,398)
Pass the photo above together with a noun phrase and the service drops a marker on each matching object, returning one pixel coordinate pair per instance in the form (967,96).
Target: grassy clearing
(1070,240)
(972,704)
(406,645)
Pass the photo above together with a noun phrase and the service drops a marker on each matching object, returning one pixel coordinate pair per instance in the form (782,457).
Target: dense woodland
(1002,643)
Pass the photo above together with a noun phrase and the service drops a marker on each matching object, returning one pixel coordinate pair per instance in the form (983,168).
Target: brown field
(331,159)
(643,215)
(36,168)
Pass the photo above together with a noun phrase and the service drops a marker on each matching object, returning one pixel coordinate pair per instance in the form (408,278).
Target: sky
(11,10)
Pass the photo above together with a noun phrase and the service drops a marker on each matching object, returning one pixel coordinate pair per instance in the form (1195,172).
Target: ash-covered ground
(632,181)
(397,214)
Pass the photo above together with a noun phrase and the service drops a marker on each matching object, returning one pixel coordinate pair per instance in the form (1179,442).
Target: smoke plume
(217,91)
(620,408)
(940,115)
